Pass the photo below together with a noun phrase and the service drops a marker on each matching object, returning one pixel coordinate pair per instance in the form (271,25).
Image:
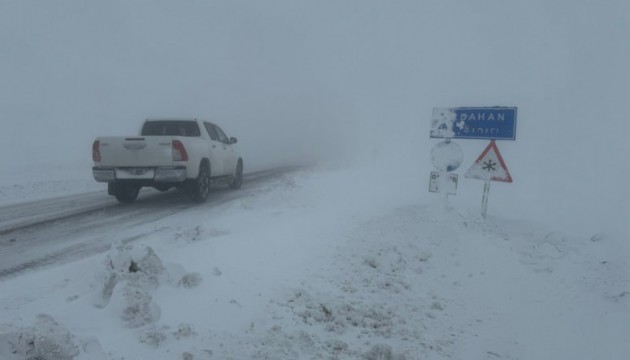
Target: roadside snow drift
(319,265)
(45,340)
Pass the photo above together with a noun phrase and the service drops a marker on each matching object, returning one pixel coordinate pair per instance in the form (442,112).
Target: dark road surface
(72,227)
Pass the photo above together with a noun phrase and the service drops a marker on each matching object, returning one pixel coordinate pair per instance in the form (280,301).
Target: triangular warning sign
(489,166)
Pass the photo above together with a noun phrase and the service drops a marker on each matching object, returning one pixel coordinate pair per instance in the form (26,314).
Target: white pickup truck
(186,154)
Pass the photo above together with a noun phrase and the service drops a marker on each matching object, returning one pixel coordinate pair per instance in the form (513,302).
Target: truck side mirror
(233,140)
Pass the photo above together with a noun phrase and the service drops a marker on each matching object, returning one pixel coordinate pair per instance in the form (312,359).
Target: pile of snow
(46,339)
(132,274)
(129,278)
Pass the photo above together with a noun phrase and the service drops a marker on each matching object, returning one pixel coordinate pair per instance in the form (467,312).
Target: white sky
(304,80)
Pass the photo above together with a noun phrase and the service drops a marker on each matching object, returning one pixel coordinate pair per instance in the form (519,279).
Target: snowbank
(45,340)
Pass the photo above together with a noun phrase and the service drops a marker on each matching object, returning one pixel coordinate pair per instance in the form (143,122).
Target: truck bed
(148,151)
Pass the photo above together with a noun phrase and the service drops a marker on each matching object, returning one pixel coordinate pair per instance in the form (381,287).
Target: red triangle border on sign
(493,145)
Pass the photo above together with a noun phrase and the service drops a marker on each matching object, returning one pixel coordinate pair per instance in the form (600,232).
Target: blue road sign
(493,123)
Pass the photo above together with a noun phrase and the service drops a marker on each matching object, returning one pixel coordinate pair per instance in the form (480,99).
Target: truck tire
(124,193)
(238,176)
(199,188)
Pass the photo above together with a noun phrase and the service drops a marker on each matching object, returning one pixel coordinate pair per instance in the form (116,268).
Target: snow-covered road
(65,228)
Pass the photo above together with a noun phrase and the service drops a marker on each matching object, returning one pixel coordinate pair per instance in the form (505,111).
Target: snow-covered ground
(31,182)
(329,264)
(353,261)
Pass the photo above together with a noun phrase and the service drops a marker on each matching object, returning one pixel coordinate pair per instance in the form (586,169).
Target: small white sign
(447,156)
(445,183)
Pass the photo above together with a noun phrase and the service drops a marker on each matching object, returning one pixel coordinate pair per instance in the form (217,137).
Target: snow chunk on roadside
(133,305)
(337,317)
(45,340)
(131,275)
(140,266)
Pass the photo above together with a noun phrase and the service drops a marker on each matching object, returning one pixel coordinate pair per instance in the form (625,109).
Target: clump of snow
(133,305)
(190,280)
(181,339)
(46,339)
(156,336)
(138,265)
(337,316)
(132,273)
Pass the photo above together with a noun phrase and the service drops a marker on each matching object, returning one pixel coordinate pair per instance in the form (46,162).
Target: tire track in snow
(70,228)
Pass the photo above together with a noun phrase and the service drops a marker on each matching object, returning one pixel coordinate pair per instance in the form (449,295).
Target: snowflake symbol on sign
(489,165)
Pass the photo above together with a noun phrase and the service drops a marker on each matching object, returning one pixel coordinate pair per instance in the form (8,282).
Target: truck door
(230,159)
(215,150)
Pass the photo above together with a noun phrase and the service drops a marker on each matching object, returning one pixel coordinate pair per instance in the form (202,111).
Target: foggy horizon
(352,82)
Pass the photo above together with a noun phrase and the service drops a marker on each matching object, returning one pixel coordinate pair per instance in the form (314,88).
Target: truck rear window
(170,128)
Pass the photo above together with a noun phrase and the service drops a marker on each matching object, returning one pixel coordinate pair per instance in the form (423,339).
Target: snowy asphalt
(67,228)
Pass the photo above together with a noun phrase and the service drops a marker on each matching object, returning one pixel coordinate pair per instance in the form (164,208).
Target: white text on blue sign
(494,123)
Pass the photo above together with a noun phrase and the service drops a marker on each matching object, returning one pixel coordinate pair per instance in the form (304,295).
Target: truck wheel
(125,193)
(238,176)
(199,188)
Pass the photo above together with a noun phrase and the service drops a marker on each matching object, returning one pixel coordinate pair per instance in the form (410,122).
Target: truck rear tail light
(179,151)
(96,151)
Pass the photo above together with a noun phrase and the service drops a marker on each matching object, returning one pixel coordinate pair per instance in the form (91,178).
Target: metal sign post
(488,167)
(484,199)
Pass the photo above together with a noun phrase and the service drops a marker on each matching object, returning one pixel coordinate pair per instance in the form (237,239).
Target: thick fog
(350,81)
